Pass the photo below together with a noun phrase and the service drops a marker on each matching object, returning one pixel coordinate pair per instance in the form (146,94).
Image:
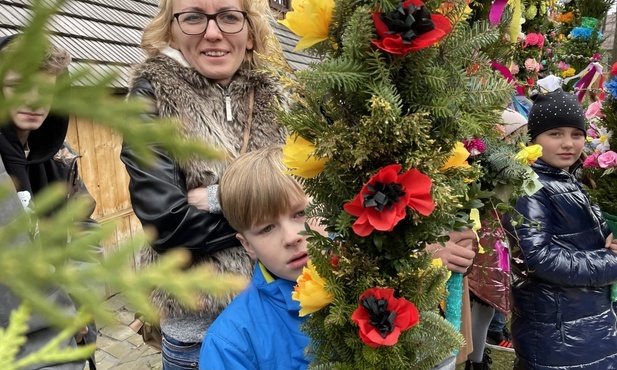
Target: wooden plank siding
(107,181)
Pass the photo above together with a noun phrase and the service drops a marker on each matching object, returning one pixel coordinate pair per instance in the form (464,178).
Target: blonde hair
(157,34)
(255,189)
(55,61)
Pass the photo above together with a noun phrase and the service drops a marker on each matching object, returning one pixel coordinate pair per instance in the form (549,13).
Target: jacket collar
(542,167)
(278,290)
(175,55)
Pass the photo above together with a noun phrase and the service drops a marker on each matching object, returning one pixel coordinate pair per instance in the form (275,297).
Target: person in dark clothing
(564,258)
(34,156)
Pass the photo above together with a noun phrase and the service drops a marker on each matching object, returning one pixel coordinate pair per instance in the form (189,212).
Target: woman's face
(214,54)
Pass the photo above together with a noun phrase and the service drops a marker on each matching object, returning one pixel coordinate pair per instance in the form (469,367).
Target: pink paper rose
(607,159)
(531,39)
(532,65)
(594,110)
(591,161)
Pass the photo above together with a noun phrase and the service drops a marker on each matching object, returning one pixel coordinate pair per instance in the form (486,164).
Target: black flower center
(380,317)
(383,195)
(409,23)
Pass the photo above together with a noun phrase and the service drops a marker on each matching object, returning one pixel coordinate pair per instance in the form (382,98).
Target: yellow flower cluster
(310,19)
(311,292)
(298,156)
(528,154)
(458,158)
(568,72)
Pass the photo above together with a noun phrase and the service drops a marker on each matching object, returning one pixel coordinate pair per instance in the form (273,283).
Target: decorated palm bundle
(376,137)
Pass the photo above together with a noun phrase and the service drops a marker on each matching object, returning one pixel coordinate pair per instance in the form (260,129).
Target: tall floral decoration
(580,37)
(398,87)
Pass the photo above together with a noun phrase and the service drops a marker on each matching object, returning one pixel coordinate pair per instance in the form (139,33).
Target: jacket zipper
(559,319)
(71,177)
(227,98)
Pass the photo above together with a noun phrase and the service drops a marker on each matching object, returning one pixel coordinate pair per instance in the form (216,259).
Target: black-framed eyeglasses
(196,23)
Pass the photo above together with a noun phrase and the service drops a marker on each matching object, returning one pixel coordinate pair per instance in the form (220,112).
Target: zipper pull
(228,115)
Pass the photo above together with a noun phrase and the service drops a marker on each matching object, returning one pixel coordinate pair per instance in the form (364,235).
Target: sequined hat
(555,109)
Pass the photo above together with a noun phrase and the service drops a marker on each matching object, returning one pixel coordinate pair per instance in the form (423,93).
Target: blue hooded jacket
(562,316)
(260,329)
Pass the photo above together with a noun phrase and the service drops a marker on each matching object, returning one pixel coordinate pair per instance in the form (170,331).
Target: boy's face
(30,115)
(278,244)
(561,146)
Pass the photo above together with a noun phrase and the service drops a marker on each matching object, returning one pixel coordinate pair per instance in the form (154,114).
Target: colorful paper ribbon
(505,72)
(496,11)
(591,73)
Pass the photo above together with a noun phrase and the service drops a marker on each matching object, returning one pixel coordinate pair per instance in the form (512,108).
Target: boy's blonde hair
(157,34)
(55,62)
(255,189)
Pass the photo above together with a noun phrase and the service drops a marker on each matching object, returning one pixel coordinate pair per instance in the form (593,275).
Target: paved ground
(119,347)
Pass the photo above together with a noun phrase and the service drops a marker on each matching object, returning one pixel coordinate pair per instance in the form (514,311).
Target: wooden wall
(106,179)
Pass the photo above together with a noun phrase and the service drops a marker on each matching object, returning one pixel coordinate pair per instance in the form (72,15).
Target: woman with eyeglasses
(202,72)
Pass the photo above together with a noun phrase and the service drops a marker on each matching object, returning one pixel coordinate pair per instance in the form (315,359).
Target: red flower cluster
(382,318)
(614,69)
(382,201)
(394,43)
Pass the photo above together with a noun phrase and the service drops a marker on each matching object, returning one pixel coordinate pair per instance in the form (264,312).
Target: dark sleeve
(159,197)
(546,260)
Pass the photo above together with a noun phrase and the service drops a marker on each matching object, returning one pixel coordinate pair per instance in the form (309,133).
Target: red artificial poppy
(382,202)
(402,32)
(382,318)
(614,69)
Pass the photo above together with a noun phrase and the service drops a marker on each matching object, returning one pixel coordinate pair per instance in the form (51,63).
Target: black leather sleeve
(159,198)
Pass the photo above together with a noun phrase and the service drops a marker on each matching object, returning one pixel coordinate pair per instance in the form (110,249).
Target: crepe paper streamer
(591,73)
(454,302)
(505,72)
(496,11)
(515,26)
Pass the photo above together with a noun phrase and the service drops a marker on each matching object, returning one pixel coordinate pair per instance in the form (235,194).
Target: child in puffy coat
(564,258)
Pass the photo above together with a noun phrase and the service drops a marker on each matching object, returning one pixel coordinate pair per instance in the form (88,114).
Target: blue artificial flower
(611,86)
(581,32)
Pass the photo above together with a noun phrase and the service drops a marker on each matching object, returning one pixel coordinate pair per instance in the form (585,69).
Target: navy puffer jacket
(562,316)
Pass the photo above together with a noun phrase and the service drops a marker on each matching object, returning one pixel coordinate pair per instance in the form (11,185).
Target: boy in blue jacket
(261,327)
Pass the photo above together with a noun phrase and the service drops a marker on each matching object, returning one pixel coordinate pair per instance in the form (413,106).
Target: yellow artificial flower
(474,215)
(298,156)
(458,159)
(568,72)
(449,6)
(310,19)
(311,292)
(528,154)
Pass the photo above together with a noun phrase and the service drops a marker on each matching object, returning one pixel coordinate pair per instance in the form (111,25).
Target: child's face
(278,244)
(29,116)
(562,146)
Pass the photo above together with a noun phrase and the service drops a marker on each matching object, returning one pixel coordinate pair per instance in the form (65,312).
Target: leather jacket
(159,198)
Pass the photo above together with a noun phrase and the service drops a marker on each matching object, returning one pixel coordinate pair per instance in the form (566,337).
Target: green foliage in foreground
(30,268)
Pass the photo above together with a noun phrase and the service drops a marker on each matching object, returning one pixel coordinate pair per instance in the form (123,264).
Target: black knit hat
(555,109)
